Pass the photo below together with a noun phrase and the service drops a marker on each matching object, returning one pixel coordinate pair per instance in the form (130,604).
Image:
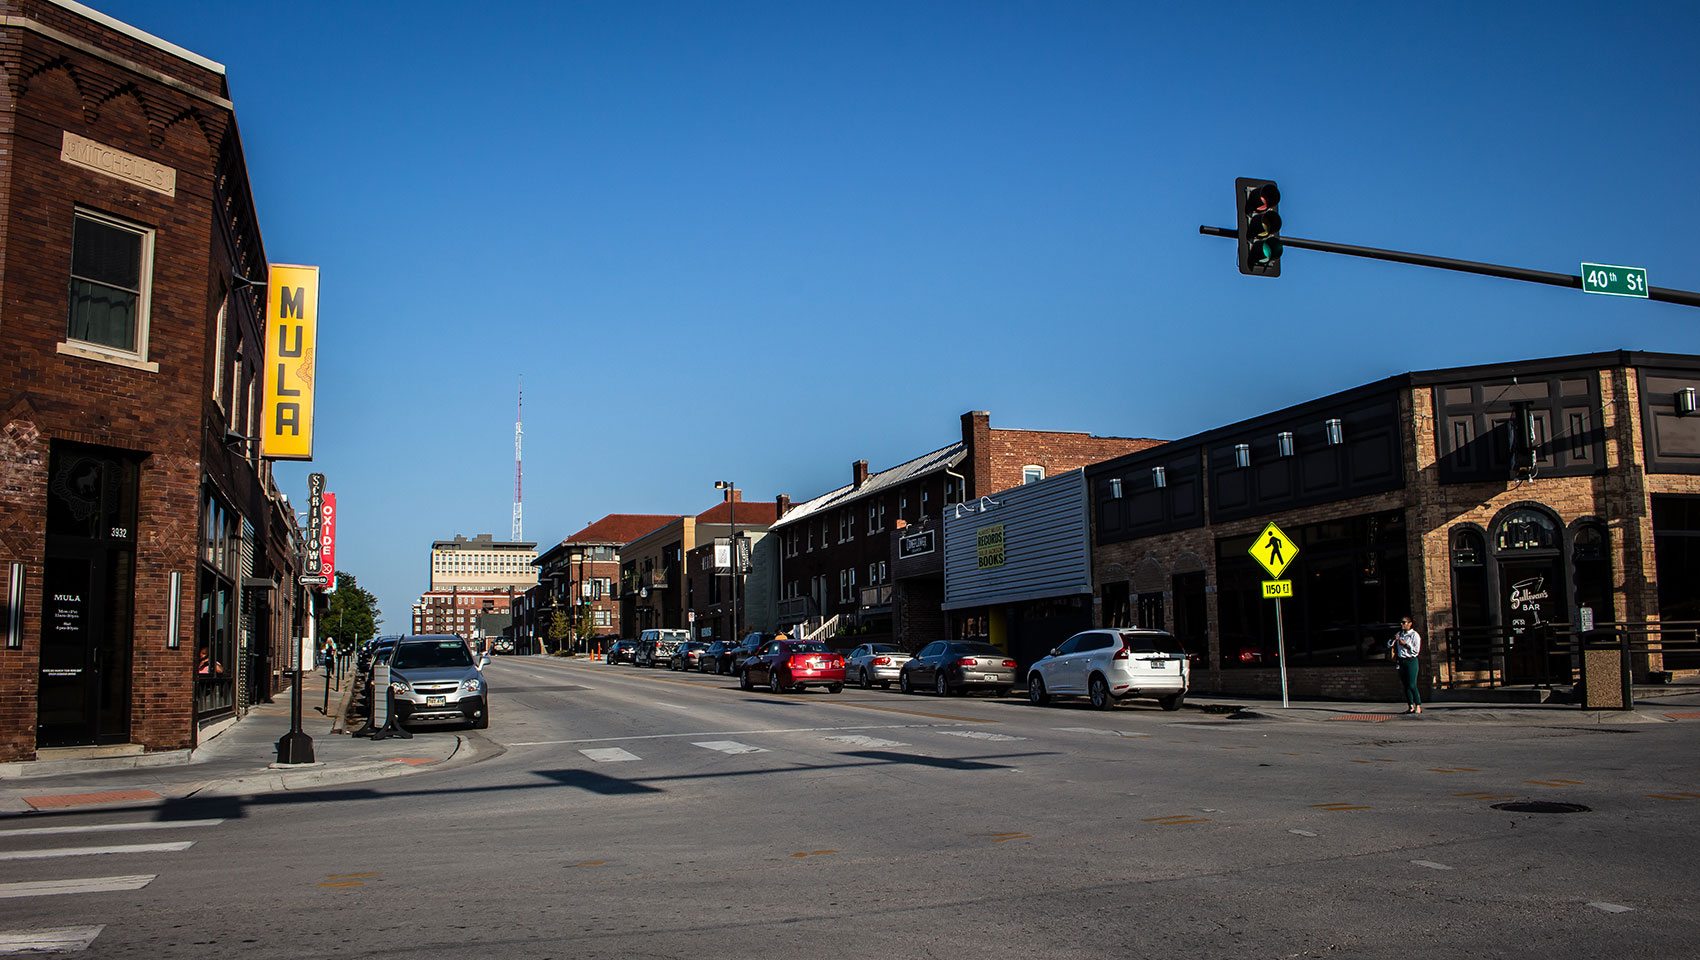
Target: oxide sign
(1274,551)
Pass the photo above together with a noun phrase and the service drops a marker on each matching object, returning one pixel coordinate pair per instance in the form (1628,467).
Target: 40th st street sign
(1614,281)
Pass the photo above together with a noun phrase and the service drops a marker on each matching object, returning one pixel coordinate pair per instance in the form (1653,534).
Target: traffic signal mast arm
(1687,298)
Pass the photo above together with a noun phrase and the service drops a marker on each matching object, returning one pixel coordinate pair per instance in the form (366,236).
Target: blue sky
(757,241)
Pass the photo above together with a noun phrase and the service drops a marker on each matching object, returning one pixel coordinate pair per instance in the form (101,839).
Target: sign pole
(1281,652)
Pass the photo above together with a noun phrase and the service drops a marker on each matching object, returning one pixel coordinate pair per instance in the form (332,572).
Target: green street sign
(1614,281)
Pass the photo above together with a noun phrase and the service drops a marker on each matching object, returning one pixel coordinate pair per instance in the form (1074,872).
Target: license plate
(1160,664)
(989,676)
(436,701)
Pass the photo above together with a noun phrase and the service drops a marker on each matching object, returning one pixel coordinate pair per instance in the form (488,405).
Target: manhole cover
(1540,806)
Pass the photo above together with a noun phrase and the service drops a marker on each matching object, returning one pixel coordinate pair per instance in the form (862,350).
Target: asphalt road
(638,813)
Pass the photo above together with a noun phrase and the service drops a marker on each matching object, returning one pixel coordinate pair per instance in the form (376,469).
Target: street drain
(1541,806)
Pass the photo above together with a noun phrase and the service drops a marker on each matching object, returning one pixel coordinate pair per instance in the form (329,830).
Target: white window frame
(1032,473)
(88,350)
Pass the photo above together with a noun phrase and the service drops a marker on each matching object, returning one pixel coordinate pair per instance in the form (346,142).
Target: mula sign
(286,432)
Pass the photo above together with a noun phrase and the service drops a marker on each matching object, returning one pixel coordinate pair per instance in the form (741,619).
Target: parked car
(1111,665)
(622,651)
(655,647)
(368,653)
(686,657)
(951,666)
(875,663)
(729,657)
(717,658)
(436,678)
(783,665)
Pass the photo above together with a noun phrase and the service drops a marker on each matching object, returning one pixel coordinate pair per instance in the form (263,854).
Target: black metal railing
(1550,654)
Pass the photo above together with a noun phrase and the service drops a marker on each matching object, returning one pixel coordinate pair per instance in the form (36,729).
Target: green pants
(1408,676)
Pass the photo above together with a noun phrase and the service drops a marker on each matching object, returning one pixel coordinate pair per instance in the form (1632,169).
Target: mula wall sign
(291,357)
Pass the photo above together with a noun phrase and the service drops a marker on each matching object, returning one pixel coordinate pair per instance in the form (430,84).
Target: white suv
(1111,665)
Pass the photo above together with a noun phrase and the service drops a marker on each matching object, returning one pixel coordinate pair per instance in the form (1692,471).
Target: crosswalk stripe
(49,939)
(860,741)
(173,847)
(49,888)
(109,827)
(1102,731)
(728,746)
(610,755)
(978,735)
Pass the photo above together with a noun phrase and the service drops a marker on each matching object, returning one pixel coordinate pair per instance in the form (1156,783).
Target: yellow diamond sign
(1273,550)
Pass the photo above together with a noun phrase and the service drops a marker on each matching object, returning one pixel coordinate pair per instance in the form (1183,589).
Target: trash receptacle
(1605,672)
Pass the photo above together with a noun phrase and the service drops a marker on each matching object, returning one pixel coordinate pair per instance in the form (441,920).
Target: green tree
(560,626)
(586,625)
(352,615)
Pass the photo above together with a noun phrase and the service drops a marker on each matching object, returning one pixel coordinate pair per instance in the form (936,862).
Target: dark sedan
(728,657)
(623,651)
(793,665)
(952,666)
(688,655)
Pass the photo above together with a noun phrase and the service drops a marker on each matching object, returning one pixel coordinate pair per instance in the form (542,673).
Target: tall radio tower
(519,431)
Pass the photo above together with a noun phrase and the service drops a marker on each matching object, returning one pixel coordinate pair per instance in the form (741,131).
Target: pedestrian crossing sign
(1273,550)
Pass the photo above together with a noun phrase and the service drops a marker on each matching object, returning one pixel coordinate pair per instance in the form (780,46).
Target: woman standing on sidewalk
(1406,644)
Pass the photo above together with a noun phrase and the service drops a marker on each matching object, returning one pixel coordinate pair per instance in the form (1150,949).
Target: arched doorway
(1528,551)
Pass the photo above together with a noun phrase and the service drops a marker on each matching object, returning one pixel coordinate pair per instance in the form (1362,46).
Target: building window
(1032,473)
(111,263)
(882,571)
(873,573)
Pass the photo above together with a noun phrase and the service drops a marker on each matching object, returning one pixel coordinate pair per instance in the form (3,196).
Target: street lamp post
(577,558)
(731,489)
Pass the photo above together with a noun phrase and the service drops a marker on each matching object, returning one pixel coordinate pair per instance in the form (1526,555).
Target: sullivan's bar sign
(292,333)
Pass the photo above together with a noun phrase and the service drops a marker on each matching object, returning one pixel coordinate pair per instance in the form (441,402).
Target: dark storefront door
(1531,597)
(83,692)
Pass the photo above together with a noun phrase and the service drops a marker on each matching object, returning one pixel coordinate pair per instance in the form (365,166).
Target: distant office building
(462,612)
(482,563)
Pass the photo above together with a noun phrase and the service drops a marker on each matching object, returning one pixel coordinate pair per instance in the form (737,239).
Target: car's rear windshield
(882,648)
(979,649)
(814,646)
(1151,643)
(445,653)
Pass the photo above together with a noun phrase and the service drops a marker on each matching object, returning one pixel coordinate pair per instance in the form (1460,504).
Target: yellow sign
(989,541)
(1275,589)
(292,334)
(1273,550)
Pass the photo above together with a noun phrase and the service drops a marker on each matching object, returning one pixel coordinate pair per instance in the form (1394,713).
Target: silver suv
(656,647)
(1112,665)
(437,678)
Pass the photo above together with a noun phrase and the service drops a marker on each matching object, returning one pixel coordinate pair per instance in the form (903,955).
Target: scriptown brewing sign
(291,341)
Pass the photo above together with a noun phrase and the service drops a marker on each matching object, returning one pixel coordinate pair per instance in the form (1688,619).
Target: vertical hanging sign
(312,573)
(327,540)
(292,334)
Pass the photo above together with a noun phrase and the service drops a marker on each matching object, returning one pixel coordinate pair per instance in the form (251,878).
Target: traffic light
(1259,205)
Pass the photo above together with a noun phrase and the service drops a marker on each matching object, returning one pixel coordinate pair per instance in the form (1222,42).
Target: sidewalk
(238,758)
(1653,704)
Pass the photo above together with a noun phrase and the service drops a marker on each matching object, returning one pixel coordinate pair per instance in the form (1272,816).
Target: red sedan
(784,665)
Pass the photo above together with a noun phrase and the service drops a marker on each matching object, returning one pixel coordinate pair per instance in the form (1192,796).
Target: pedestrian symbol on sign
(1273,550)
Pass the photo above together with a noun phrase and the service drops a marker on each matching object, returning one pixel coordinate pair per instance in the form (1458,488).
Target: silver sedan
(874,663)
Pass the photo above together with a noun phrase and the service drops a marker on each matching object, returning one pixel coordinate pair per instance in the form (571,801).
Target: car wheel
(1036,694)
(1098,691)
(744,681)
(903,684)
(864,681)
(1172,703)
(834,688)
(941,685)
(773,682)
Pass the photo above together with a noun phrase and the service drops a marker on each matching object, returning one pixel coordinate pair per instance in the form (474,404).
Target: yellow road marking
(353,876)
(814,853)
(1012,836)
(1006,834)
(346,883)
(1665,796)
(1177,823)
(1467,769)
(591,863)
(1343,809)
(1561,780)
(1694,795)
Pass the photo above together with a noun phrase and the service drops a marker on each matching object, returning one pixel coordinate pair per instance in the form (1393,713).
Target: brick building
(654,591)
(150,556)
(1497,504)
(463,613)
(861,552)
(581,572)
(483,563)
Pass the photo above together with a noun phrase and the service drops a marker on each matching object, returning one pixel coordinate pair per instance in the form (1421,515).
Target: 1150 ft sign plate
(1276,589)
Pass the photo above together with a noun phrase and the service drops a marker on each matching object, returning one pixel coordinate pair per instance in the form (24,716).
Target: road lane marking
(1667,796)
(1610,907)
(1178,819)
(1003,837)
(979,735)
(1431,864)
(51,888)
(109,827)
(610,755)
(1338,807)
(1555,783)
(49,939)
(814,853)
(1103,732)
(1303,833)
(97,851)
(856,740)
(728,746)
(722,733)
